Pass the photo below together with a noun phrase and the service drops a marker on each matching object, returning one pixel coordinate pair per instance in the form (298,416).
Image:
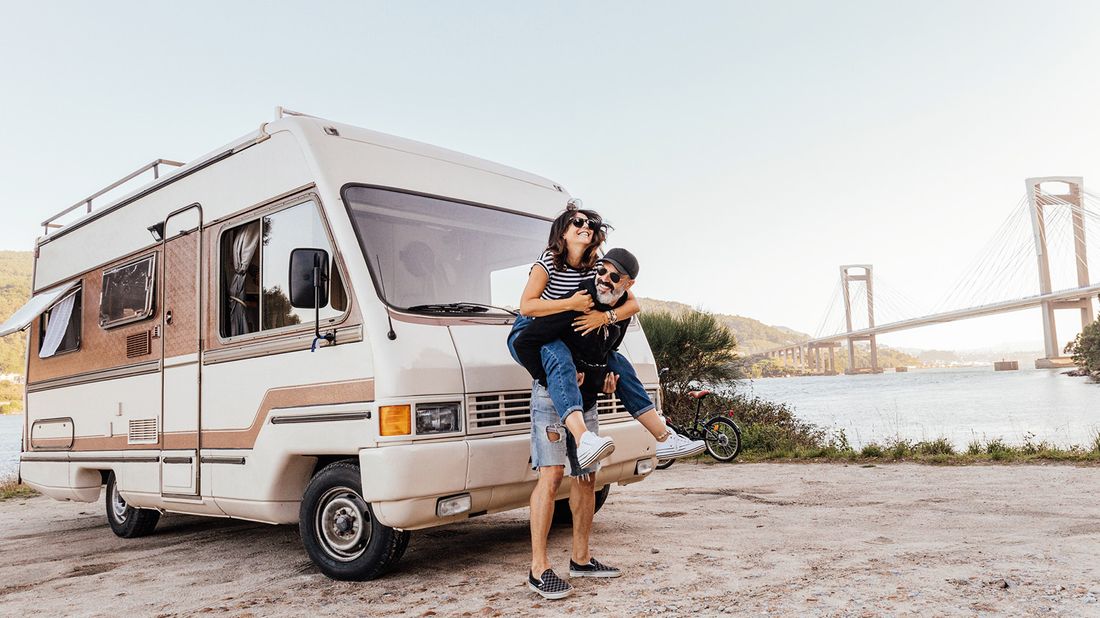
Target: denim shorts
(551,442)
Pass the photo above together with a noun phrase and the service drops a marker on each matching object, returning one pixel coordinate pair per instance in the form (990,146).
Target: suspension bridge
(1038,257)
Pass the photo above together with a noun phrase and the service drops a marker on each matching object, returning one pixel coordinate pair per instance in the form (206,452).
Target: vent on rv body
(490,412)
(142,431)
(138,345)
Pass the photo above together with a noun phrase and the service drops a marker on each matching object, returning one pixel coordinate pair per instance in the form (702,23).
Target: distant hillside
(752,335)
(15,288)
(755,336)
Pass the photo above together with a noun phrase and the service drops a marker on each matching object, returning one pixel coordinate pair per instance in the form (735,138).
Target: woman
(570,258)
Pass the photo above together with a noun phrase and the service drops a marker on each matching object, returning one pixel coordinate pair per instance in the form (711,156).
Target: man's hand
(580,301)
(589,322)
(610,382)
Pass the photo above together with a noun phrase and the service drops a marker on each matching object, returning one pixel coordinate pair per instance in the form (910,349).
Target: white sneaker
(593,448)
(677,447)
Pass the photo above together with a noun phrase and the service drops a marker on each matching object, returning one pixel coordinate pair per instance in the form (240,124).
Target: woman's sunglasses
(615,277)
(593,224)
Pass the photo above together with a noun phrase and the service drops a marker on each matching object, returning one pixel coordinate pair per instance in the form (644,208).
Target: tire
(126,521)
(339,530)
(723,438)
(563,516)
(665,464)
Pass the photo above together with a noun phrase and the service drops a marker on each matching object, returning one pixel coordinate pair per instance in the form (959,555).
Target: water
(958,404)
(11,428)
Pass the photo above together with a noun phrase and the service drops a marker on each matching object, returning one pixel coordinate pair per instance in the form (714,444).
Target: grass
(771,432)
(10,489)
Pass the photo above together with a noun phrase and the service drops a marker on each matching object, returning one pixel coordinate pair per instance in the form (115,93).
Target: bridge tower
(845,279)
(1039,201)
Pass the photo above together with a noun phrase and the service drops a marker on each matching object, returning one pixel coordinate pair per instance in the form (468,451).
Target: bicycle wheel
(664,464)
(723,438)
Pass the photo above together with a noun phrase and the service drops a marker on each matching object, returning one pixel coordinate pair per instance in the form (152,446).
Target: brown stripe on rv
(328,393)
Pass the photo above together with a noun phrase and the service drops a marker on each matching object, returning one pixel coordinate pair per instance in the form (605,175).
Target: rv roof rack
(50,224)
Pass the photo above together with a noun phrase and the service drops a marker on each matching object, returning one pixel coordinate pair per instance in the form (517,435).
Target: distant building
(11,377)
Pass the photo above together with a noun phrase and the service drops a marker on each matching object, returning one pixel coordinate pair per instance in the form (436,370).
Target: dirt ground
(696,539)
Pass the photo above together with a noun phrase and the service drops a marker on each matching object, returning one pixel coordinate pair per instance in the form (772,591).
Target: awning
(34,307)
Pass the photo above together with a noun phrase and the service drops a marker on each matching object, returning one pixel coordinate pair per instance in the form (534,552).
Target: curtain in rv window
(244,241)
(61,330)
(256,271)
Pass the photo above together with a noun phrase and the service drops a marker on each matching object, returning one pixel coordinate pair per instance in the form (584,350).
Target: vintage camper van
(306,325)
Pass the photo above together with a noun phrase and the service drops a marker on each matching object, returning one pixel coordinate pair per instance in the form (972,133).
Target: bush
(974,448)
(695,347)
(1086,348)
(871,450)
(939,446)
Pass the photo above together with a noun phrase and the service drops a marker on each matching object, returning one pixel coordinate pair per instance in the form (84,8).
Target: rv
(307,325)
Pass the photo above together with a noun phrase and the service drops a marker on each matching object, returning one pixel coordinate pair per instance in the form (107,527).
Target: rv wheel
(563,516)
(126,521)
(339,530)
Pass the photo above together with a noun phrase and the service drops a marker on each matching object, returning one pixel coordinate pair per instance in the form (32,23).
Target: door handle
(168,317)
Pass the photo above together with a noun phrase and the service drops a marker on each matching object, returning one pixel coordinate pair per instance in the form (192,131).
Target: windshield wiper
(458,308)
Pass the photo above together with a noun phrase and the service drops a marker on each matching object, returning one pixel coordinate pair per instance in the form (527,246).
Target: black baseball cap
(623,260)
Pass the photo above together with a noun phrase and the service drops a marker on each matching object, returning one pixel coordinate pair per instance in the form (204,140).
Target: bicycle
(721,435)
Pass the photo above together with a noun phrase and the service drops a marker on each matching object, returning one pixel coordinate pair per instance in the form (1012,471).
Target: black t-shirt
(590,351)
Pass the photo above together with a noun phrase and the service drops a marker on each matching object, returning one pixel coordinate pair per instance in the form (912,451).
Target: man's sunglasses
(593,224)
(615,277)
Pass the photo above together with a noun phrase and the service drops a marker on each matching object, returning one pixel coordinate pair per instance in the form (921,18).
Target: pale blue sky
(743,150)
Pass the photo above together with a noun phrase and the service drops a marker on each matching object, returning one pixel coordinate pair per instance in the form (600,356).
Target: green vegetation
(11,397)
(1086,349)
(693,346)
(11,489)
(15,288)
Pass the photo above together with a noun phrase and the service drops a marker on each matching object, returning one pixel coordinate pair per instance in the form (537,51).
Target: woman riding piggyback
(553,286)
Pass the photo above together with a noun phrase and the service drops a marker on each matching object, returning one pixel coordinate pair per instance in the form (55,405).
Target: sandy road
(762,539)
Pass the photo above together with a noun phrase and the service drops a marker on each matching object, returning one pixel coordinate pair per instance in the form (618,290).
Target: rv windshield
(436,255)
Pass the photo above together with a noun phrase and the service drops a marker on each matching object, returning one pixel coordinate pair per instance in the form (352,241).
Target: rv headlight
(437,417)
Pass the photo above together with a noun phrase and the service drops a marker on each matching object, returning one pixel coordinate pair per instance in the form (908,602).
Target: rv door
(181,325)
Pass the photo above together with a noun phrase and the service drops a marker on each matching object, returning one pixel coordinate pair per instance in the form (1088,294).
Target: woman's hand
(589,322)
(610,382)
(580,301)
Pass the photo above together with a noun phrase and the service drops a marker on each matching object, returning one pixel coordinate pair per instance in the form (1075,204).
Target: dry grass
(10,489)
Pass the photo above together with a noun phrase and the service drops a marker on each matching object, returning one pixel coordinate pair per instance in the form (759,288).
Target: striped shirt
(562,283)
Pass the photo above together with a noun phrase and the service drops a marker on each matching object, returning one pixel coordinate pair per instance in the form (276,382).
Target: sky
(742,150)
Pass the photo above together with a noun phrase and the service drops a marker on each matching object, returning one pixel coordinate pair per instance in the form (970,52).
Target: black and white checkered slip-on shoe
(550,586)
(594,568)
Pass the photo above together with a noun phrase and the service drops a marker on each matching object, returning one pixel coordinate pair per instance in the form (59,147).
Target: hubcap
(343,524)
(118,505)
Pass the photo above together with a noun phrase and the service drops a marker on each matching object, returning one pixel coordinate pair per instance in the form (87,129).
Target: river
(958,404)
(923,404)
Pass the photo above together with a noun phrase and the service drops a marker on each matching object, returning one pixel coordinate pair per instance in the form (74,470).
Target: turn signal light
(395,420)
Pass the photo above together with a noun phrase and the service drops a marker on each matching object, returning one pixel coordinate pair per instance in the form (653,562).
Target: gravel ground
(696,539)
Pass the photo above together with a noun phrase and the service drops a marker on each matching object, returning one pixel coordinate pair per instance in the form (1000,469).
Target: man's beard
(608,298)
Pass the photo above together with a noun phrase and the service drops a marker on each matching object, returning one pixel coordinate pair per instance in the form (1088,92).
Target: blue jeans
(561,377)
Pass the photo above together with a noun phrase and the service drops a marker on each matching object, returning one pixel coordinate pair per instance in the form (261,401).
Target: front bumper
(404,483)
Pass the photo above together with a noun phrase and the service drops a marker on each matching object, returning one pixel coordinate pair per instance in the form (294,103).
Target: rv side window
(59,331)
(127,293)
(256,268)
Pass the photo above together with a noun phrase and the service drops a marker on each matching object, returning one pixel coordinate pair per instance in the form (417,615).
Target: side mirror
(308,278)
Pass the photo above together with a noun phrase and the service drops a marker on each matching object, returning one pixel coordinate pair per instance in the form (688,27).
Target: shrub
(1086,348)
(871,450)
(975,447)
(939,446)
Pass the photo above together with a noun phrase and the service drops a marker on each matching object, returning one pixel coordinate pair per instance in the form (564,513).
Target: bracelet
(611,316)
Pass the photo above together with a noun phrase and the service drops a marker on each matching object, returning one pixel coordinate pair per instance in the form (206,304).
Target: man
(552,446)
